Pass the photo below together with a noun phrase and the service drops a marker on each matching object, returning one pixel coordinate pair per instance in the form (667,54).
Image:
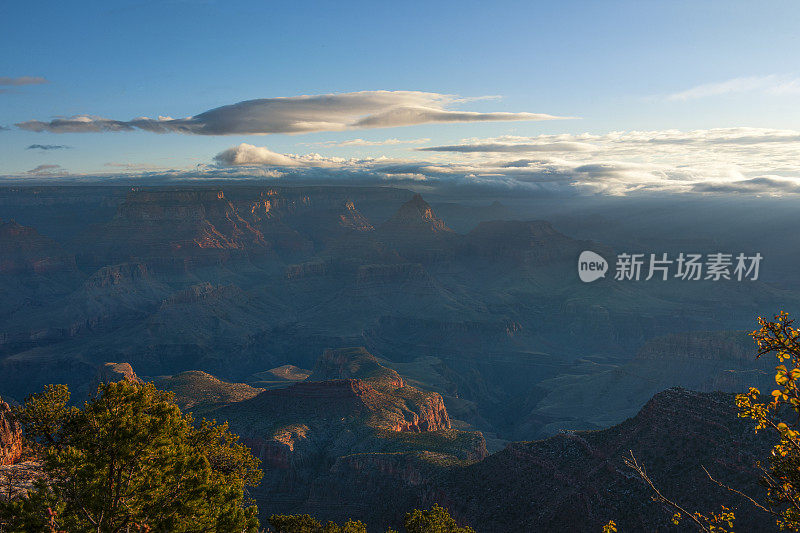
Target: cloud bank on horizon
(297,114)
(722,160)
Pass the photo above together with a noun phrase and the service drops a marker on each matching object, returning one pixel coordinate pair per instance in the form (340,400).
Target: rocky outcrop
(352,420)
(286,373)
(418,234)
(345,402)
(415,216)
(200,391)
(114,372)
(17,480)
(10,436)
(25,251)
(351,219)
(355,363)
(118,277)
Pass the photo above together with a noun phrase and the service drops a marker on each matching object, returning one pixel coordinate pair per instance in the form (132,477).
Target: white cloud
(383,142)
(246,155)
(297,114)
(772,84)
(750,161)
(726,160)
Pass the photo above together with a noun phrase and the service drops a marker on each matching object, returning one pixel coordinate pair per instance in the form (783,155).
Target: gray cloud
(760,185)
(296,114)
(76,124)
(47,147)
(22,80)
(45,170)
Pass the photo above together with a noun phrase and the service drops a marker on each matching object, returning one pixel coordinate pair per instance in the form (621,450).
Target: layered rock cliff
(350,406)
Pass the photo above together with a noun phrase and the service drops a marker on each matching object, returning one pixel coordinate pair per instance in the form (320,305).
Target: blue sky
(619,66)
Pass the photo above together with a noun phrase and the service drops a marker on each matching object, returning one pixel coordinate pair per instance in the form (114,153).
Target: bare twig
(632,463)
(740,493)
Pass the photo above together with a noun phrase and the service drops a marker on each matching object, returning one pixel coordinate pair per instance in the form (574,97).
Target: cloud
(47,147)
(516,148)
(746,161)
(22,80)
(129,166)
(724,160)
(297,114)
(45,170)
(384,142)
(772,84)
(770,185)
(76,124)
(247,154)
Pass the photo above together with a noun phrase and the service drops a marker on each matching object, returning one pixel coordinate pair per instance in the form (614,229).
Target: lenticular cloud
(297,114)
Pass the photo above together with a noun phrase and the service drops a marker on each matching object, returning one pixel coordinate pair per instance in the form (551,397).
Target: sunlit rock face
(10,436)
(350,418)
(113,372)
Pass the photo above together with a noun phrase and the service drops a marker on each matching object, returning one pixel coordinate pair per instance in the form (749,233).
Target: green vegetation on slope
(129,460)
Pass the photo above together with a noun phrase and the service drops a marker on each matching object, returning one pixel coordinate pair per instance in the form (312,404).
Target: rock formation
(112,373)
(351,405)
(415,216)
(25,251)
(10,436)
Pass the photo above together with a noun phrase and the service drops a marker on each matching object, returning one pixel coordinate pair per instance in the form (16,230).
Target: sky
(583,96)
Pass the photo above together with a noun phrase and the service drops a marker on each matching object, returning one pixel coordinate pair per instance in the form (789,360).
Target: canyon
(381,349)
